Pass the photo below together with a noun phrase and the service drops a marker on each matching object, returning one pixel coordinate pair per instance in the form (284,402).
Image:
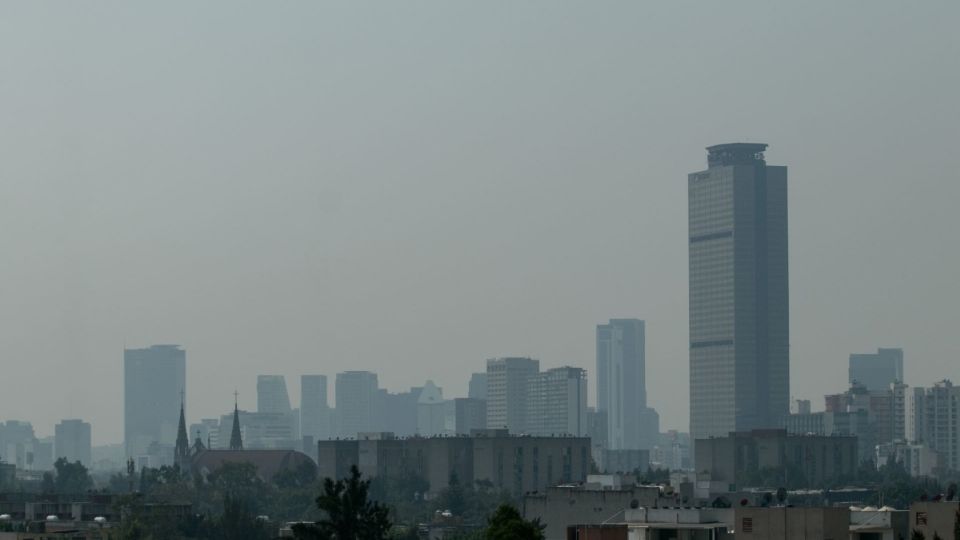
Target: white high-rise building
(507,392)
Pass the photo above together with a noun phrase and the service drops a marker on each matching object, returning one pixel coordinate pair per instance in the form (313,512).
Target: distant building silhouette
(478,386)
(153,380)
(72,441)
(877,371)
(272,394)
(315,413)
(357,400)
(739,294)
(622,385)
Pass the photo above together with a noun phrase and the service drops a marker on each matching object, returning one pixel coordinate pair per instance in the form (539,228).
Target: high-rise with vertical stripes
(739,292)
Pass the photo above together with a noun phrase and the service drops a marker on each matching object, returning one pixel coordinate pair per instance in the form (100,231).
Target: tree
(71,477)
(350,514)
(917,535)
(507,524)
(303,475)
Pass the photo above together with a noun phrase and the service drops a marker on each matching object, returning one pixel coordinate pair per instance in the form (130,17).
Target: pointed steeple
(182,450)
(236,441)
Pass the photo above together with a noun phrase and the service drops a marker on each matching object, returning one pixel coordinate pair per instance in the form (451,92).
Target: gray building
(557,402)
(507,392)
(72,441)
(315,413)
(153,382)
(933,417)
(357,399)
(739,297)
(772,457)
(272,394)
(622,384)
(510,463)
(478,386)
(877,371)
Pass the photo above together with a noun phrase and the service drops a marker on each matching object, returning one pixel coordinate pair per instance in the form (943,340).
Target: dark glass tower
(739,292)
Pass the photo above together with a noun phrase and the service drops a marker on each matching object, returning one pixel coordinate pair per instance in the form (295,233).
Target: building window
(921,518)
(747,525)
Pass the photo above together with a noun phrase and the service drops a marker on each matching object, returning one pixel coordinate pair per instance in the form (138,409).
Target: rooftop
(735,154)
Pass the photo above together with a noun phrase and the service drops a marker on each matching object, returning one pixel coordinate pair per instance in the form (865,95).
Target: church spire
(236,441)
(182,450)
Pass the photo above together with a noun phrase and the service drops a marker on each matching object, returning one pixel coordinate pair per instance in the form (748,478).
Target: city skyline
(350,195)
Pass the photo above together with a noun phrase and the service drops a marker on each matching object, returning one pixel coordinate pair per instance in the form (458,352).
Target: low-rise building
(772,456)
(561,507)
(791,523)
(869,523)
(935,519)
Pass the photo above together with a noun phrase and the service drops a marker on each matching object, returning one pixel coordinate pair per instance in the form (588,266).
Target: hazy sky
(413,187)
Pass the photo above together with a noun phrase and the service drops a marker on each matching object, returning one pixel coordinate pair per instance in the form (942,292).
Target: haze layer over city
(412,189)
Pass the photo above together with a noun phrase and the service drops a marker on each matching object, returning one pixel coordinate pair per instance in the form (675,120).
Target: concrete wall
(791,523)
(932,518)
(559,508)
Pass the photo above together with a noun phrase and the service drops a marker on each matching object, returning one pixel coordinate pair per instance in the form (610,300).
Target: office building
(622,384)
(557,402)
(738,293)
(435,415)
(17,441)
(470,415)
(877,371)
(315,413)
(272,394)
(933,416)
(154,383)
(357,397)
(507,392)
(398,412)
(72,441)
(478,386)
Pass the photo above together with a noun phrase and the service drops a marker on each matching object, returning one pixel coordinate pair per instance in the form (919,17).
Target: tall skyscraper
(557,402)
(877,371)
(272,394)
(739,293)
(507,392)
(315,414)
(357,397)
(153,379)
(622,384)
